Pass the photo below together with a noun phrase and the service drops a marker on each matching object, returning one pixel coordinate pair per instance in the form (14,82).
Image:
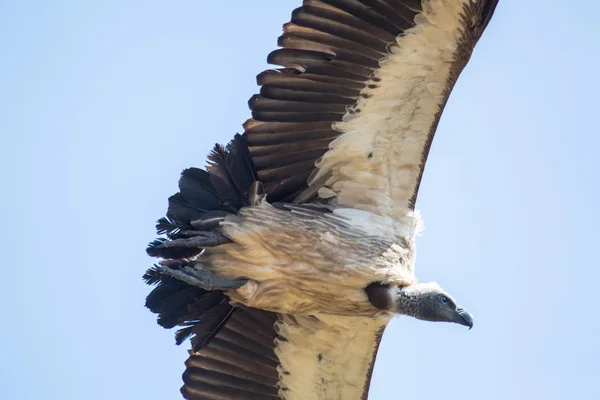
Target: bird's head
(425,301)
(429,302)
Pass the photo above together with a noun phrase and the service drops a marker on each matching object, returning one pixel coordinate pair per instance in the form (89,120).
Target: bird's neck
(401,300)
(407,300)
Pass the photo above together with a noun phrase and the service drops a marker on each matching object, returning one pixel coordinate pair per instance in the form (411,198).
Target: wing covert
(352,114)
(327,356)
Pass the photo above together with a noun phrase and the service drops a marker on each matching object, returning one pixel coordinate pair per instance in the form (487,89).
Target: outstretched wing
(260,356)
(352,114)
(349,118)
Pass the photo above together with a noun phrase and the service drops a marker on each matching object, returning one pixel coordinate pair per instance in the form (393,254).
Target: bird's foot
(201,277)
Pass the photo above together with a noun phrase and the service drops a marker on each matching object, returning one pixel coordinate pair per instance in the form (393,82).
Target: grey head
(424,301)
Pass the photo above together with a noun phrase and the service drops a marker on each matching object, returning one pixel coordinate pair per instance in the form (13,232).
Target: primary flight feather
(286,257)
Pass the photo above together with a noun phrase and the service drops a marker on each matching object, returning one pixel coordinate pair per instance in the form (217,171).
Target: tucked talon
(202,278)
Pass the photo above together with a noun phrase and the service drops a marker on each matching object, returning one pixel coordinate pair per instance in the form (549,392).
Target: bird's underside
(297,259)
(285,259)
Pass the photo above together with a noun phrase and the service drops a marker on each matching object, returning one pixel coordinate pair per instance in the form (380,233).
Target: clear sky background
(103,103)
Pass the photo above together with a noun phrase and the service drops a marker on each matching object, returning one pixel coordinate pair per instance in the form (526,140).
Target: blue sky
(102,104)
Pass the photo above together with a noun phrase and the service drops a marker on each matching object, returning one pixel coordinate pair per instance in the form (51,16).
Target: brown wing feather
(239,363)
(330,49)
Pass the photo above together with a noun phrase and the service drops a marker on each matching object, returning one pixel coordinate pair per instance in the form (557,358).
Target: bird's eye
(444,299)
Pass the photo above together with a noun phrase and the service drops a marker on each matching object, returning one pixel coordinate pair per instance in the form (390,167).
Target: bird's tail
(204,199)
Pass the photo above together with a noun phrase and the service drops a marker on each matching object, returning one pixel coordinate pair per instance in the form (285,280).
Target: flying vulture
(285,258)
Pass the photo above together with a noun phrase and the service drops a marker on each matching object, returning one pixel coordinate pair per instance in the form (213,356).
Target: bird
(285,258)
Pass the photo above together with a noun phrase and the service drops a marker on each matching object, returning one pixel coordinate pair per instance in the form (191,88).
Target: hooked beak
(464,318)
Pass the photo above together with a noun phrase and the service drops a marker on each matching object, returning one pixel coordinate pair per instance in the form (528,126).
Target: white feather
(408,225)
(326,357)
(375,164)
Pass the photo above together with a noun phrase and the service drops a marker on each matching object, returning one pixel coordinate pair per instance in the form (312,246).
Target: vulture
(286,257)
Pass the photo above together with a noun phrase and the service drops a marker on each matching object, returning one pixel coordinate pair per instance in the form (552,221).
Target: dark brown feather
(365,11)
(329,50)
(281,92)
(238,363)
(343,26)
(338,17)
(292,79)
(290,157)
(259,104)
(326,42)
(288,148)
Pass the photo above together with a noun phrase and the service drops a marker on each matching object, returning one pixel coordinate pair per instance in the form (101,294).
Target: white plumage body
(310,262)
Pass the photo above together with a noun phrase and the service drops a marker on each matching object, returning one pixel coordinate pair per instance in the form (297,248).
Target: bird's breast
(303,265)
